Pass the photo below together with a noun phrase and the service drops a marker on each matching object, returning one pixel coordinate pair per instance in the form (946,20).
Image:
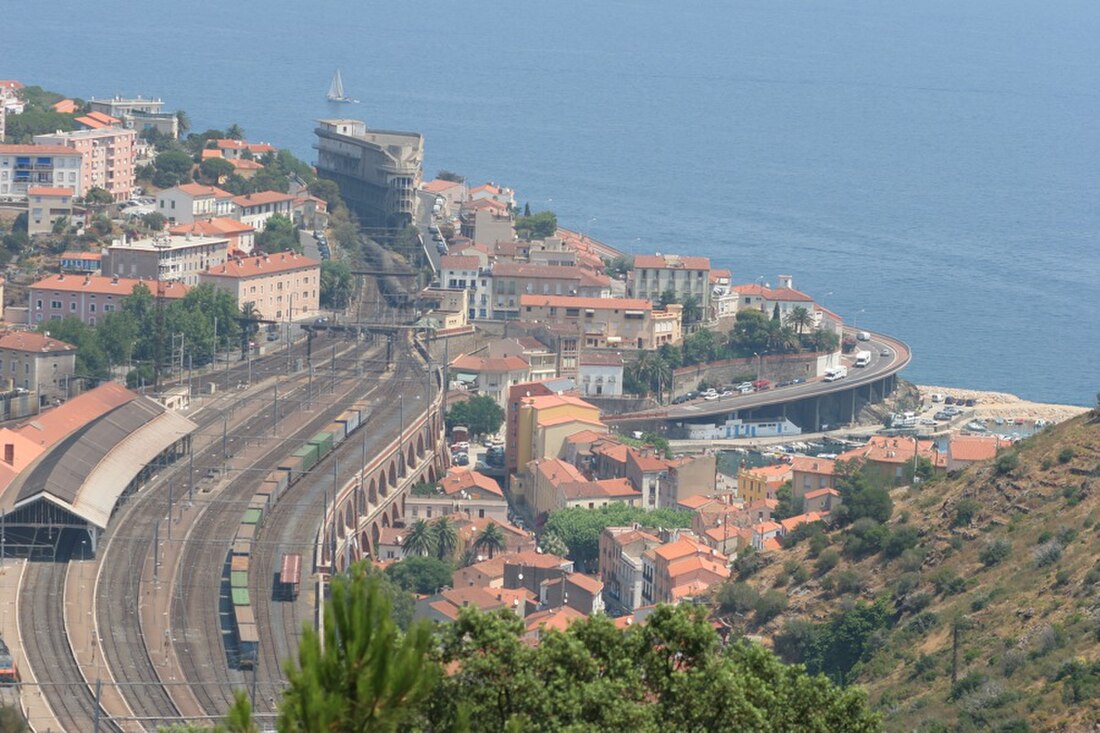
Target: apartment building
(45,206)
(241,236)
(166,257)
(685,277)
(282,286)
(544,422)
(487,222)
(607,323)
(108,157)
(681,569)
(139,114)
(600,374)
(491,375)
(378,171)
(23,167)
(511,281)
(189,202)
(37,363)
(88,297)
(461,491)
(255,209)
(762,482)
(620,563)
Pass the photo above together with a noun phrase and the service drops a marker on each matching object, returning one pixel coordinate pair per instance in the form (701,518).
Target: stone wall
(773,368)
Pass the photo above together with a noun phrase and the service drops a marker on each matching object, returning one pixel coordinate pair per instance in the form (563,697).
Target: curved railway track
(41,615)
(287,529)
(203,582)
(125,562)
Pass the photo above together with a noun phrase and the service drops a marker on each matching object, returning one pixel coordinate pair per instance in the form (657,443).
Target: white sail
(336,88)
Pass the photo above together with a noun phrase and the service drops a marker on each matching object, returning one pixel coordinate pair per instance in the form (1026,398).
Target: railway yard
(182,603)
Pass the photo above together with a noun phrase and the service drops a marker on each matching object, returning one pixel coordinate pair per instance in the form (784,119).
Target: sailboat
(336,90)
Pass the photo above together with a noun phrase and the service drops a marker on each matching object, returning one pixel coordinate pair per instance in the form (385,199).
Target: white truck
(863,358)
(835,373)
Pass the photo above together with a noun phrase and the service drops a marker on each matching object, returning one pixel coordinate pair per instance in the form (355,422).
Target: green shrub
(947,583)
(801,575)
(906,584)
(850,581)
(770,605)
(965,511)
(1047,464)
(1047,553)
(818,543)
(900,540)
(994,552)
(1007,462)
(1061,577)
(1066,455)
(826,561)
(737,597)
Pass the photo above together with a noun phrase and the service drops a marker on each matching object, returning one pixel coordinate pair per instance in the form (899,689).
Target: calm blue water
(928,168)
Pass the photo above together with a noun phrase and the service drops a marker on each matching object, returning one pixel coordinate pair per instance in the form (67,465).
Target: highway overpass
(811,405)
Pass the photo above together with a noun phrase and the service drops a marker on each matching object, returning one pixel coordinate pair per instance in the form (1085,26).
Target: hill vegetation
(974,606)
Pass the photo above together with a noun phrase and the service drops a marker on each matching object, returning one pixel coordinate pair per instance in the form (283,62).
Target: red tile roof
(217,227)
(557,471)
(585,582)
(198,190)
(105,285)
(464,479)
(807,464)
(481,364)
(261,198)
(30,341)
(439,185)
(37,150)
(459,262)
(259,266)
(600,358)
(821,492)
(975,447)
(48,191)
(65,106)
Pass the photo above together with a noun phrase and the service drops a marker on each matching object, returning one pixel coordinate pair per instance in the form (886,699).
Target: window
(38,304)
(55,304)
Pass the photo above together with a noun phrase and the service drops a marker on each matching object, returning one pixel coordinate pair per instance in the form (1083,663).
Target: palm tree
(467,558)
(692,310)
(183,122)
(446,537)
(799,319)
(420,539)
(250,314)
(491,539)
(235,132)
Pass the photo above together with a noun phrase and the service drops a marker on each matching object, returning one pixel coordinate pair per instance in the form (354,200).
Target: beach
(1003,404)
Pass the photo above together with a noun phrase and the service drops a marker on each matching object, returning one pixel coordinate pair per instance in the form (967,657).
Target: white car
(710,396)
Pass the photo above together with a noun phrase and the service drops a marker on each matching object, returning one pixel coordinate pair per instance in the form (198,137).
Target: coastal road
(897,358)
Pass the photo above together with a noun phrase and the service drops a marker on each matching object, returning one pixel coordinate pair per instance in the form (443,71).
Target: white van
(863,336)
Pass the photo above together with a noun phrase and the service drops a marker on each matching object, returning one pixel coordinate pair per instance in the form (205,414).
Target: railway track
(127,651)
(41,615)
(287,529)
(203,582)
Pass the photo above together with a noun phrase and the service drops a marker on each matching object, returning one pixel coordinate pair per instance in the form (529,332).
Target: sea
(926,168)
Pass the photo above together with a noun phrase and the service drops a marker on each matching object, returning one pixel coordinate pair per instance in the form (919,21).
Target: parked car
(318,234)
(709,396)
(761,384)
(971,402)
(948,400)
(461,459)
(941,415)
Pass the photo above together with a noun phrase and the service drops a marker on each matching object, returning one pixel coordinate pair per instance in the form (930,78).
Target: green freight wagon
(252,516)
(240,596)
(308,455)
(323,441)
(238,579)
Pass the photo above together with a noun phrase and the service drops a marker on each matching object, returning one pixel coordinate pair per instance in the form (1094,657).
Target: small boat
(999,420)
(336,91)
(976,427)
(1019,421)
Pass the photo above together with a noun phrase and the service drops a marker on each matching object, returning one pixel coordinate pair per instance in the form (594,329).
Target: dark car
(970,402)
(941,415)
(949,400)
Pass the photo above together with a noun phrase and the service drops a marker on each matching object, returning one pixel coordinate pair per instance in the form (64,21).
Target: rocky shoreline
(1003,404)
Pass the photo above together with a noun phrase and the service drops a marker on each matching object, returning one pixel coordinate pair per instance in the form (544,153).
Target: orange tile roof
(547,272)
(669,262)
(81,256)
(681,548)
(791,523)
(533,559)
(558,619)
(771,545)
(259,266)
(92,123)
(585,582)
(612,450)
(567,301)
(31,341)
(208,153)
(807,464)
(821,492)
(777,473)
(695,502)
(557,471)
(882,449)
(584,436)
(438,185)
(48,191)
(766,527)
(37,150)
(975,447)
(65,106)
(243,164)
(465,479)
(459,262)
(10,84)
(198,190)
(542,402)
(694,564)
(105,285)
(647,462)
(489,364)
(546,422)
(104,118)
(217,227)
(261,198)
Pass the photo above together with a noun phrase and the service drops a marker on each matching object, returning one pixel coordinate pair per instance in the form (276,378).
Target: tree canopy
(539,225)
(279,235)
(423,575)
(480,414)
(336,284)
(580,528)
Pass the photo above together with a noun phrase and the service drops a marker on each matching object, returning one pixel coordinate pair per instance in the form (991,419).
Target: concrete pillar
(817,414)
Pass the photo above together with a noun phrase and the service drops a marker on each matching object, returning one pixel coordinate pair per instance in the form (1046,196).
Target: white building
(737,428)
(38,166)
(255,209)
(190,201)
(600,374)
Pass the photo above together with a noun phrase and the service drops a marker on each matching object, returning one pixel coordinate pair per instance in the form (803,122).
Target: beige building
(378,171)
(685,277)
(490,375)
(108,157)
(282,286)
(681,569)
(543,362)
(166,257)
(553,484)
(606,323)
(89,297)
(36,363)
(461,491)
(511,281)
(190,202)
(620,562)
(486,221)
(45,206)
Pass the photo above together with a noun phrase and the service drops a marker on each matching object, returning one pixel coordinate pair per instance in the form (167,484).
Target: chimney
(786,281)
(9,453)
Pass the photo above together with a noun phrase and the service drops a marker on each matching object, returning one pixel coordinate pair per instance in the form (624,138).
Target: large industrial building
(69,467)
(378,171)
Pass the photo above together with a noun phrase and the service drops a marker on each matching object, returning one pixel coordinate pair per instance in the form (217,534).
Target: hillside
(995,572)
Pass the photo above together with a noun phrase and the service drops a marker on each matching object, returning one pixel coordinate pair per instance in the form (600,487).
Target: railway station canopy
(83,456)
